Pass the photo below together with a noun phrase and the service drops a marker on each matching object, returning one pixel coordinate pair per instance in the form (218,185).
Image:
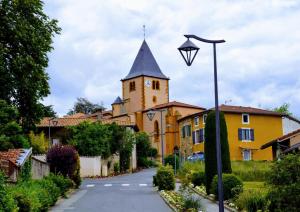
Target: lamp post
(188,51)
(150,115)
(54,123)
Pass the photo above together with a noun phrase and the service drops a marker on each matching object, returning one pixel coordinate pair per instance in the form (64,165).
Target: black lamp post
(188,50)
(150,115)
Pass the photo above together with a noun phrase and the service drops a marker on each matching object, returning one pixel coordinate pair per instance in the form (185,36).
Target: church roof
(145,64)
(118,101)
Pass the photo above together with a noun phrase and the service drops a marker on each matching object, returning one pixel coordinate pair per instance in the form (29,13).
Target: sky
(258,65)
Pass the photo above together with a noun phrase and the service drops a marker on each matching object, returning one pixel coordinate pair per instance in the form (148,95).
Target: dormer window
(132,86)
(245,119)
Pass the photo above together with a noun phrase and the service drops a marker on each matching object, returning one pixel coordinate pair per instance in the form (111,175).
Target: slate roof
(145,65)
(117,101)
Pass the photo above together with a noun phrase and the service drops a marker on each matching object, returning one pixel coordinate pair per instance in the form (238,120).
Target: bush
(165,178)
(198,178)
(64,160)
(153,152)
(53,192)
(230,181)
(116,168)
(170,159)
(252,201)
(191,202)
(210,148)
(154,180)
(64,184)
(7,203)
(284,180)
(38,142)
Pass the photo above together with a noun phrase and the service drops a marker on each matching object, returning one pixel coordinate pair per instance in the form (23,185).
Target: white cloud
(258,64)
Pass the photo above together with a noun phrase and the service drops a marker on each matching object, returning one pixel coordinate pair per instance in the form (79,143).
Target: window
(247,154)
(186,131)
(154,99)
(204,118)
(196,121)
(132,86)
(246,134)
(155,84)
(245,119)
(198,136)
(156,131)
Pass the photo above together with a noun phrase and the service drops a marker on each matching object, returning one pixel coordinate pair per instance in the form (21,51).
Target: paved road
(128,193)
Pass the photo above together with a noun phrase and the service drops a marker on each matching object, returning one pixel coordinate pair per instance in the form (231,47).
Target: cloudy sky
(258,65)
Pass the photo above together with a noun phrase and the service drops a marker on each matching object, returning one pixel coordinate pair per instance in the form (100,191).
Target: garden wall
(90,166)
(39,167)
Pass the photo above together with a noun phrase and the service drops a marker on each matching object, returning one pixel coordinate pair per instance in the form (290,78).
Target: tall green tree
(210,148)
(26,34)
(83,105)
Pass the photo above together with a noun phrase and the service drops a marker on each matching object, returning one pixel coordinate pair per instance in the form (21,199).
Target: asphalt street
(128,193)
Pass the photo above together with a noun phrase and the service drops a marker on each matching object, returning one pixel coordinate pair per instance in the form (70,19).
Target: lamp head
(188,51)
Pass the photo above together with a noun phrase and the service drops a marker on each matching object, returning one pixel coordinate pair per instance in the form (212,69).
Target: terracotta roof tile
(63,122)
(250,110)
(174,104)
(11,155)
(76,115)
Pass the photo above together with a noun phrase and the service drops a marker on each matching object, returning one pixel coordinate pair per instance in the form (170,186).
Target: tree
(126,150)
(26,34)
(284,109)
(38,142)
(11,134)
(284,181)
(83,105)
(48,111)
(143,148)
(91,139)
(210,148)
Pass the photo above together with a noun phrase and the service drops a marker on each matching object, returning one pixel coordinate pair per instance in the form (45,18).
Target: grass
(246,170)
(252,185)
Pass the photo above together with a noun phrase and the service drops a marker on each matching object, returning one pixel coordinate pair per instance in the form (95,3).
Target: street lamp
(188,51)
(54,123)
(150,115)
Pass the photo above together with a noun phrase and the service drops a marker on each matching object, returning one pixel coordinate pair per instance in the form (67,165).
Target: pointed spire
(117,101)
(145,64)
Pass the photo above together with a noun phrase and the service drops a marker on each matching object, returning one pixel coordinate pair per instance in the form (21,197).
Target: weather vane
(144,30)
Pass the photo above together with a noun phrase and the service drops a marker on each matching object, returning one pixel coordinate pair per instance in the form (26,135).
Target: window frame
(196,118)
(250,154)
(245,114)
(248,130)
(204,118)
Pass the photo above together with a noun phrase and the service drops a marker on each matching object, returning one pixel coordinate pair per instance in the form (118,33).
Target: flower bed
(173,198)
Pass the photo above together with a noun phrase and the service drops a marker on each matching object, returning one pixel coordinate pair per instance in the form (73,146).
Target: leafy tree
(26,34)
(39,143)
(283,109)
(284,180)
(143,149)
(210,148)
(126,150)
(117,135)
(83,105)
(91,139)
(48,111)
(11,134)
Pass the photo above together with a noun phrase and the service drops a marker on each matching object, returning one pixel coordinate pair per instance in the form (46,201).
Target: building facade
(248,129)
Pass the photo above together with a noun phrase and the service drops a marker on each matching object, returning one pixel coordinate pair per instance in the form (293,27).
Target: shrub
(210,148)
(117,168)
(284,180)
(53,192)
(64,160)
(191,202)
(165,178)
(154,180)
(38,142)
(170,159)
(198,178)
(252,200)
(64,184)
(7,203)
(153,152)
(230,181)
(188,168)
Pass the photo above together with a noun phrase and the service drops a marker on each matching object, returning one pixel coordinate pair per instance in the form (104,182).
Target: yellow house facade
(248,129)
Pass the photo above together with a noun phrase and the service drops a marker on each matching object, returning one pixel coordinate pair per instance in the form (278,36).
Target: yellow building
(248,129)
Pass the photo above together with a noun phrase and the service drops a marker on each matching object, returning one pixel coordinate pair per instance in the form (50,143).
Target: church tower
(145,86)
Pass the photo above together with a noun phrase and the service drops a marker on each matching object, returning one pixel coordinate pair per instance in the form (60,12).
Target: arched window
(156,131)
(157,85)
(132,86)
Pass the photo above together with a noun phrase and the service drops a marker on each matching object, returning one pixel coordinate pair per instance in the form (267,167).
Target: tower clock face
(147,83)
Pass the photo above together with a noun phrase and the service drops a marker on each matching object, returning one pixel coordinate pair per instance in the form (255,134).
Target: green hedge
(165,178)
(230,181)
(39,195)
(198,178)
